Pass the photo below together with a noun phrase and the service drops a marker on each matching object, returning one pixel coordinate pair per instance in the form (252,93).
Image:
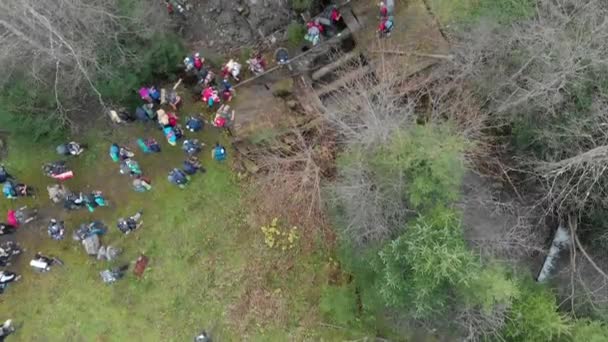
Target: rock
(243,10)
(283,88)
(292,104)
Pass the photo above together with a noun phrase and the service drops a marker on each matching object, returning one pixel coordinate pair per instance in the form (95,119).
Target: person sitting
(188,64)
(191,146)
(21,216)
(6,229)
(8,189)
(178,177)
(174,100)
(56,229)
(281,56)
(219,152)
(89,229)
(57,170)
(4,175)
(144,93)
(95,199)
(206,77)
(169,133)
(194,124)
(6,329)
(149,145)
(191,165)
(228,92)
(198,61)
(202,337)
(112,275)
(210,96)
(314,30)
(154,94)
(142,184)
(130,224)
(115,152)
(232,68)
(7,277)
(57,192)
(385,27)
(335,15)
(42,263)
(70,149)
(224,117)
(257,64)
(125,153)
(130,167)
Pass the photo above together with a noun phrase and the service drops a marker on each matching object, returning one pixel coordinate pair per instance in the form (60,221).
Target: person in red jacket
(198,61)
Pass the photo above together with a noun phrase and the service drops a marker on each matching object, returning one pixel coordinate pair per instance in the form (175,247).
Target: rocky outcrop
(221,24)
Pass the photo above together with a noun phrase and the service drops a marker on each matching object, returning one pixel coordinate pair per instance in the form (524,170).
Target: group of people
(159,106)
(387,8)
(323,25)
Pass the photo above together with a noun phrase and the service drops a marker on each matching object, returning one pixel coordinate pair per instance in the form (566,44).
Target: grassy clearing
(209,267)
(463,11)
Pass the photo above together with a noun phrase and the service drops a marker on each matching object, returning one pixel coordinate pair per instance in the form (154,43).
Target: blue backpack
(8,190)
(115,152)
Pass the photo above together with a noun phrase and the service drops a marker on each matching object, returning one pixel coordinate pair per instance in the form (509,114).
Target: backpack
(115,152)
(220,153)
(220,121)
(142,145)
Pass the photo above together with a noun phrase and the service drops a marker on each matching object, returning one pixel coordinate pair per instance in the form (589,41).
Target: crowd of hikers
(159,106)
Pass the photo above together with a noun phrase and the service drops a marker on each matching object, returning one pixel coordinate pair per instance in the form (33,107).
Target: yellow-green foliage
(279,237)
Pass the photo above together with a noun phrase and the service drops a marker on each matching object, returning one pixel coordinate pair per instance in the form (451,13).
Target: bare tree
(60,44)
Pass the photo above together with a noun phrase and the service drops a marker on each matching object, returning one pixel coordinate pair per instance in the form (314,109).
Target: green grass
(205,258)
(504,11)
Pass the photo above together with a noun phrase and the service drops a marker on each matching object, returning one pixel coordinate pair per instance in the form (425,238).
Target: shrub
(428,158)
(535,317)
(29,111)
(159,60)
(589,331)
(339,303)
(491,287)
(279,237)
(419,269)
(295,33)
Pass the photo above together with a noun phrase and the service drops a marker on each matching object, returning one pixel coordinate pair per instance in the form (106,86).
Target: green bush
(428,158)
(295,33)
(419,269)
(154,60)
(339,303)
(491,287)
(589,331)
(534,316)
(28,111)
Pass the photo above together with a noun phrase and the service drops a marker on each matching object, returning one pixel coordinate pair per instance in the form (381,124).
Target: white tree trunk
(561,240)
